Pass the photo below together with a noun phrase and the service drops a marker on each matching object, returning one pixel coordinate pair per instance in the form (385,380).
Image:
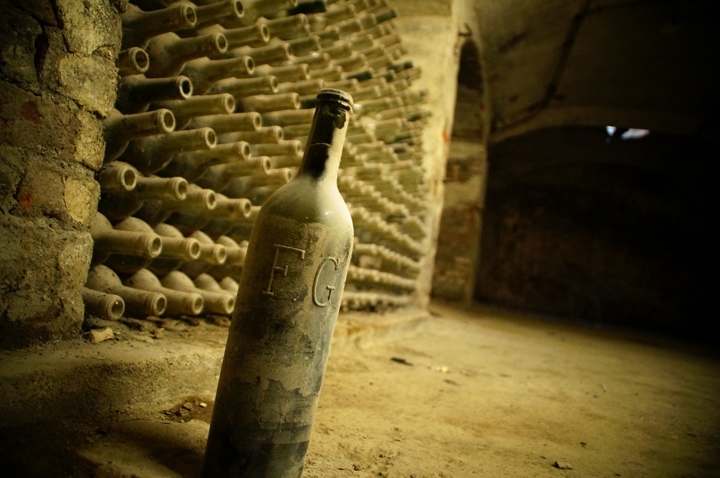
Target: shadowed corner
(169,444)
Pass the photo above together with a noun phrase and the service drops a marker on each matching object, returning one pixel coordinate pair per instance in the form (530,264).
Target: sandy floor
(497,396)
(462,395)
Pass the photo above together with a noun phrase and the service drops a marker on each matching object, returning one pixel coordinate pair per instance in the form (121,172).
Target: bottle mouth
(190,15)
(192,250)
(221,43)
(277,133)
(209,199)
(219,254)
(332,94)
(185,87)
(244,149)
(159,304)
(286,51)
(296,148)
(266,166)
(210,137)
(293,100)
(115,308)
(180,188)
(128,179)
(228,103)
(140,60)
(264,33)
(196,306)
(153,247)
(165,121)
(273,83)
(229,304)
(304,71)
(256,120)
(238,9)
(249,63)
(246,208)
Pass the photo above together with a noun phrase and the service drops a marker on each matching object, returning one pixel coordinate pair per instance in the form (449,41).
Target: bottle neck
(324,149)
(321,162)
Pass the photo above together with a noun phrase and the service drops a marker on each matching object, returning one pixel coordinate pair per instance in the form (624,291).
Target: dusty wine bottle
(133,61)
(139,26)
(285,314)
(136,92)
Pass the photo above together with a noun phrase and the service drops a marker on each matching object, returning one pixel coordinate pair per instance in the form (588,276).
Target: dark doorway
(612,231)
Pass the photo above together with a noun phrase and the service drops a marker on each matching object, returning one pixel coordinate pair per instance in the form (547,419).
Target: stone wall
(614,232)
(57,80)
(465,178)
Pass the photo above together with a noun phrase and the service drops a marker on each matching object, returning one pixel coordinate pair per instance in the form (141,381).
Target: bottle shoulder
(308,201)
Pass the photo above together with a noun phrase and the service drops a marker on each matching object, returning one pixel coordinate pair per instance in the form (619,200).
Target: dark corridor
(616,232)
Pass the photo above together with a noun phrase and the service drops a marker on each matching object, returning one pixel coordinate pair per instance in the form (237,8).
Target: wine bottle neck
(321,161)
(327,135)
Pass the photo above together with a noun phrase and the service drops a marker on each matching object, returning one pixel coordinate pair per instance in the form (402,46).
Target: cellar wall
(57,79)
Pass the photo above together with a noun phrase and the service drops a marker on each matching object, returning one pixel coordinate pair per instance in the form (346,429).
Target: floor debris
(401,360)
(100,335)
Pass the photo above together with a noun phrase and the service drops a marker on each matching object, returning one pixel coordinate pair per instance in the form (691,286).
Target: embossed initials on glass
(284,269)
(276,268)
(330,288)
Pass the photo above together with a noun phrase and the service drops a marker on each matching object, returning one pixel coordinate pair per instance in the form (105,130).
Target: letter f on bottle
(283,269)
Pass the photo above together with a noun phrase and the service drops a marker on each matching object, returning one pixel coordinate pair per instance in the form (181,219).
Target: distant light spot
(625,133)
(635,133)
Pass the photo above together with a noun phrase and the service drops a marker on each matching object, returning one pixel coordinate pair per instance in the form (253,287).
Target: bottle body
(291,288)
(285,314)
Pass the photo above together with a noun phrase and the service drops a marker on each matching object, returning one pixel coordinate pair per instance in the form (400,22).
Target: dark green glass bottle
(287,305)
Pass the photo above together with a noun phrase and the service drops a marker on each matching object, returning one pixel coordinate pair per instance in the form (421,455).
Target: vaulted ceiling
(637,63)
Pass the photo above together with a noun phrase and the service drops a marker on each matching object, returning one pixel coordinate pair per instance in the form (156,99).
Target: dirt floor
(465,394)
(500,395)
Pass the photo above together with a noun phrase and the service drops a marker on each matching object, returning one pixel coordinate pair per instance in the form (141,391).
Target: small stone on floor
(99,335)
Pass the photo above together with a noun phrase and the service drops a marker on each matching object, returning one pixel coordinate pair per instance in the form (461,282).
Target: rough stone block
(74,259)
(73,264)
(12,169)
(44,267)
(36,123)
(41,10)
(89,25)
(64,193)
(96,336)
(52,49)
(81,199)
(91,81)
(18,33)
(90,147)
(56,130)
(41,192)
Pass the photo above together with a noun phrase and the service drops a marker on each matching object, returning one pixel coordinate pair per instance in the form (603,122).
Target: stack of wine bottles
(214,106)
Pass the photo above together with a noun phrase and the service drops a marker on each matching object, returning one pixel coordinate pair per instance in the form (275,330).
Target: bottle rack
(215,103)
